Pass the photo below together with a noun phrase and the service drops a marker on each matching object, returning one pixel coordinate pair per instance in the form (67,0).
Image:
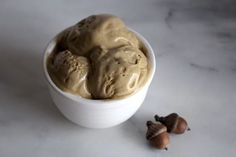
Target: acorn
(174,123)
(157,135)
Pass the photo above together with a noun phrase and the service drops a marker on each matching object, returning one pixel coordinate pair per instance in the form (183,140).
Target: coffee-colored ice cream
(99,58)
(70,72)
(98,30)
(116,72)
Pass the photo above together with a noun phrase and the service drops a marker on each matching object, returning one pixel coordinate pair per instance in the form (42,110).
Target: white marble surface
(195,44)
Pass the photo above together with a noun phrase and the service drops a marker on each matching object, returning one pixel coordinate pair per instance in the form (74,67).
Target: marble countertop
(195,46)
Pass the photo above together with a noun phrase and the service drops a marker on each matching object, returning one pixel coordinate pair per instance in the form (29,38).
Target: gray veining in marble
(195,46)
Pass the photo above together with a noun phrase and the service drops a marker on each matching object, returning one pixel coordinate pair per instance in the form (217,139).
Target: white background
(195,47)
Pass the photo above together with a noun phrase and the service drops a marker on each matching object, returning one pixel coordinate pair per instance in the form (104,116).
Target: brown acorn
(157,135)
(174,123)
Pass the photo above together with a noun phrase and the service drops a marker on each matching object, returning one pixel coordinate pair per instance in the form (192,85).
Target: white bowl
(98,113)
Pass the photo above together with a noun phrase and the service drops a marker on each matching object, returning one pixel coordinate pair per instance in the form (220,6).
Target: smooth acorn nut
(157,135)
(174,123)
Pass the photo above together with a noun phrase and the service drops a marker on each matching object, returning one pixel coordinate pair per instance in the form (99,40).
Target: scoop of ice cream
(99,30)
(71,72)
(116,72)
(99,58)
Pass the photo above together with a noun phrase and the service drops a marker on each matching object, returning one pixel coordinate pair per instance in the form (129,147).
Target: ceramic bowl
(98,113)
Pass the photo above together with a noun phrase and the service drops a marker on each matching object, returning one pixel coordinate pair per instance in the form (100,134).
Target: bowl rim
(152,62)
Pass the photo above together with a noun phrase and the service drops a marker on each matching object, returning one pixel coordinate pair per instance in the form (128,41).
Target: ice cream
(99,58)
(116,72)
(98,30)
(70,72)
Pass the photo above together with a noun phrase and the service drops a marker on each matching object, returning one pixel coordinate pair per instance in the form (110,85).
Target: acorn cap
(169,121)
(154,129)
